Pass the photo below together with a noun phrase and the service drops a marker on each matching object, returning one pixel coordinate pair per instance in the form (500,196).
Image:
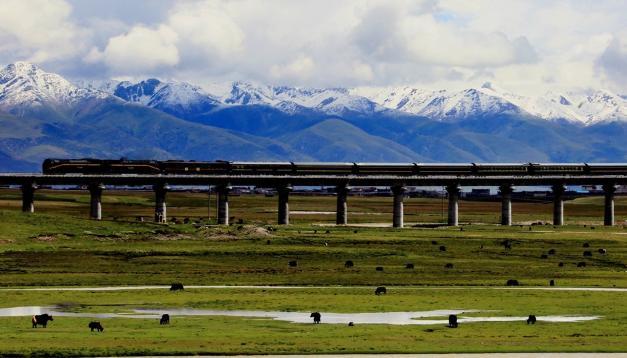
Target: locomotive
(221,167)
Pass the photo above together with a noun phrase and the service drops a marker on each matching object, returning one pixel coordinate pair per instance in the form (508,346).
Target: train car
(606,168)
(100,166)
(558,168)
(306,168)
(445,169)
(397,169)
(500,168)
(190,167)
(262,168)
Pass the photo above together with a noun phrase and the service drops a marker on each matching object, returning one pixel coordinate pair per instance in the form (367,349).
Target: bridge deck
(309,180)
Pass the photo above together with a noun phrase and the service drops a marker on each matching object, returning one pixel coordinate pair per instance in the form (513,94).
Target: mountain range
(45,115)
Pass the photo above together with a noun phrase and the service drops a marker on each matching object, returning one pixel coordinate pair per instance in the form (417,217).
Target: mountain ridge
(44,115)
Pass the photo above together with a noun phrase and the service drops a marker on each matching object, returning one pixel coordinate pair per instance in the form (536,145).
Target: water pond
(393,318)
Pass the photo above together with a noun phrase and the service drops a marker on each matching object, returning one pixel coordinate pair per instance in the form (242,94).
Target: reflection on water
(395,318)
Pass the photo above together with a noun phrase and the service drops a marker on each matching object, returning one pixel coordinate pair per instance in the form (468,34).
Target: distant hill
(44,115)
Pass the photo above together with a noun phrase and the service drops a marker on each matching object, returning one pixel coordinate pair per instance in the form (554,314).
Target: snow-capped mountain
(24,85)
(44,115)
(442,104)
(585,108)
(156,94)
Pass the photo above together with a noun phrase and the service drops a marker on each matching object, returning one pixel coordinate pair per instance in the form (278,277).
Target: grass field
(59,246)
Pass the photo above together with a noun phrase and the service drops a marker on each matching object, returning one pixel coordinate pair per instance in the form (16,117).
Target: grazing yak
(602,251)
(448,265)
(587,253)
(585,244)
(349,264)
(531,319)
(316,317)
(409,266)
(452,321)
(351,324)
(442,248)
(165,319)
(379,268)
(512,283)
(552,252)
(176,286)
(561,264)
(292,263)
(433,242)
(552,283)
(41,319)
(380,290)
(95,325)
(581,264)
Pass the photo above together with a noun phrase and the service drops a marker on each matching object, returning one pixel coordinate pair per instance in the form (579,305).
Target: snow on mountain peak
(25,84)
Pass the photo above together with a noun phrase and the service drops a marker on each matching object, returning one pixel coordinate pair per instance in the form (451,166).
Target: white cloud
(613,61)
(300,68)
(38,31)
(529,45)
(140,51)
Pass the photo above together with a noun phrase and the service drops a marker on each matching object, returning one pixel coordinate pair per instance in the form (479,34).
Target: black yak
(165,319)
(176,286)
(531,319)
(41,319)
(380,290)
(316,317)
(452,321)
(95,325)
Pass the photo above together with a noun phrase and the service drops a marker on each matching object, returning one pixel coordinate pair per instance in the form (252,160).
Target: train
(222,167)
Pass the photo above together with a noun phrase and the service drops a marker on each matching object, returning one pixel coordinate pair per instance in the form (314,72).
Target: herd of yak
(43,319)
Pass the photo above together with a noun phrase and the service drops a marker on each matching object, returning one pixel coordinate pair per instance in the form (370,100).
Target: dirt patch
(172,237)
(236,231)
(45,238)
(255,231)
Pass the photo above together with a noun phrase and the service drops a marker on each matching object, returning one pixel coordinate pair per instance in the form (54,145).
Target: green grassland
(59,246)
(233,335)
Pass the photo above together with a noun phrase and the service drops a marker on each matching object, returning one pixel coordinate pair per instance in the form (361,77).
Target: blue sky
(525,46)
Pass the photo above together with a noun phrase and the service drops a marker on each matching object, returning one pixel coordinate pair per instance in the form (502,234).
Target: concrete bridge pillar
(397,214)
(223,204)
(506,204)
(161,214)
(558,204)
(341,213)
(95,193)
(608,218)
(453,204)
(28,197)
(284,206)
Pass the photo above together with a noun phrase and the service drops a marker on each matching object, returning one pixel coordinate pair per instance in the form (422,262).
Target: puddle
(392,318)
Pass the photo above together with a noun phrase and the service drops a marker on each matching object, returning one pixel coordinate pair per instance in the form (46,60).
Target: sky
(526,46)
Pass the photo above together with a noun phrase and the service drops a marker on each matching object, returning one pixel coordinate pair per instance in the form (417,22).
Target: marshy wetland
(58,247)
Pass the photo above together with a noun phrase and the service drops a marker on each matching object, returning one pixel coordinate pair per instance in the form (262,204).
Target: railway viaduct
(284,183)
